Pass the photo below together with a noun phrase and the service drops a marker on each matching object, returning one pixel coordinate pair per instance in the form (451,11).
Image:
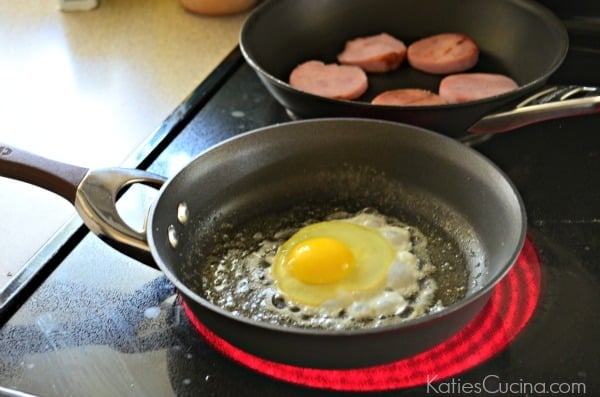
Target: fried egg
(327,259)
(361,268)
(343,272)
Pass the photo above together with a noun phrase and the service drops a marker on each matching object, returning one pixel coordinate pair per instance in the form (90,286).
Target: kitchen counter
(89,88)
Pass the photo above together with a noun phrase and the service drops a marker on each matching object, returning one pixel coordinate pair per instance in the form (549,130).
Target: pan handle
(96,204)
(51,175)
(93,193)
(552,103)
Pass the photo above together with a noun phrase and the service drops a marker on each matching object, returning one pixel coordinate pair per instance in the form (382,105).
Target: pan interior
(239,232)
(421,178)
(516,38)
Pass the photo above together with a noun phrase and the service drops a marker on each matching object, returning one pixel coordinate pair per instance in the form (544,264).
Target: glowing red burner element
(510,307)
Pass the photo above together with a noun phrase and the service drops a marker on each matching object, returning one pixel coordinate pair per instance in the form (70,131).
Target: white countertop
(88,88)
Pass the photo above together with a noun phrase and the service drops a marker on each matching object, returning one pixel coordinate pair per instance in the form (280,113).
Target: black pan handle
(94,194)
(552,103)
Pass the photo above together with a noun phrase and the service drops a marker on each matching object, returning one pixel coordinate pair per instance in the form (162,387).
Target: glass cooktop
(99,323)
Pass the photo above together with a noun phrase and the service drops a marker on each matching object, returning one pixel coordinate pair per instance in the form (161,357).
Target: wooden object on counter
(217,7)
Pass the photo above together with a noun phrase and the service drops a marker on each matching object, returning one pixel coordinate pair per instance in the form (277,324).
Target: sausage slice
(379,53)
(443,53)
(472,86)
(408,97)
(329,80)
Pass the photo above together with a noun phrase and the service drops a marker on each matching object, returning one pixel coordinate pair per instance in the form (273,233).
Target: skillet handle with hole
(93,193)
(552,103)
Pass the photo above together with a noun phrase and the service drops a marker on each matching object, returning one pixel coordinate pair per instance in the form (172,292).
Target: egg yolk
(321,260)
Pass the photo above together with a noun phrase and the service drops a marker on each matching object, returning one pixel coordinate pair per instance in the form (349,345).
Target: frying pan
(423,178)
(518,38)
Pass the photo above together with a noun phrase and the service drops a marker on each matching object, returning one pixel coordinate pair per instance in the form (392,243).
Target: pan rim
(188,293)
(520,91)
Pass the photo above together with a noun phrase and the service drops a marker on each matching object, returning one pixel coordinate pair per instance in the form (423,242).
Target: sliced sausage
(379,53)
(408,97)
(472,86)
(443,53)
(329,80)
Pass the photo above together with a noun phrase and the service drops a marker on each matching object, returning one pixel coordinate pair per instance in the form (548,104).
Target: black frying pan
(421,177)
(518,38)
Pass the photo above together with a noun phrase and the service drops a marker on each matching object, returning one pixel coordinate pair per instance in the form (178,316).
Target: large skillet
(424,178)
(519,38)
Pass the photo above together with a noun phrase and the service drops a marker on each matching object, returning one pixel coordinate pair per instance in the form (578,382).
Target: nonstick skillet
(421,177)
(519,38)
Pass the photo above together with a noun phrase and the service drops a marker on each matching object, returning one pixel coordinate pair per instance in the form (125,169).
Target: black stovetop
(100,323)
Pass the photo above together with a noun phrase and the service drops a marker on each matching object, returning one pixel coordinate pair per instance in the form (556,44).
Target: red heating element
(510,307)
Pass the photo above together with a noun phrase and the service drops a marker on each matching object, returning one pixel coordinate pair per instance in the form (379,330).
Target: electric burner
(510,307)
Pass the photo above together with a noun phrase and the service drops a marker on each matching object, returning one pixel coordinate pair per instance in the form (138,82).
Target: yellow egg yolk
(321,260)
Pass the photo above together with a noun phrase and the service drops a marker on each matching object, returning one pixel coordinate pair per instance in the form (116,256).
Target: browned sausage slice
(379,53)
(443,53)
(329,80)
(408,97)
(472,86)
